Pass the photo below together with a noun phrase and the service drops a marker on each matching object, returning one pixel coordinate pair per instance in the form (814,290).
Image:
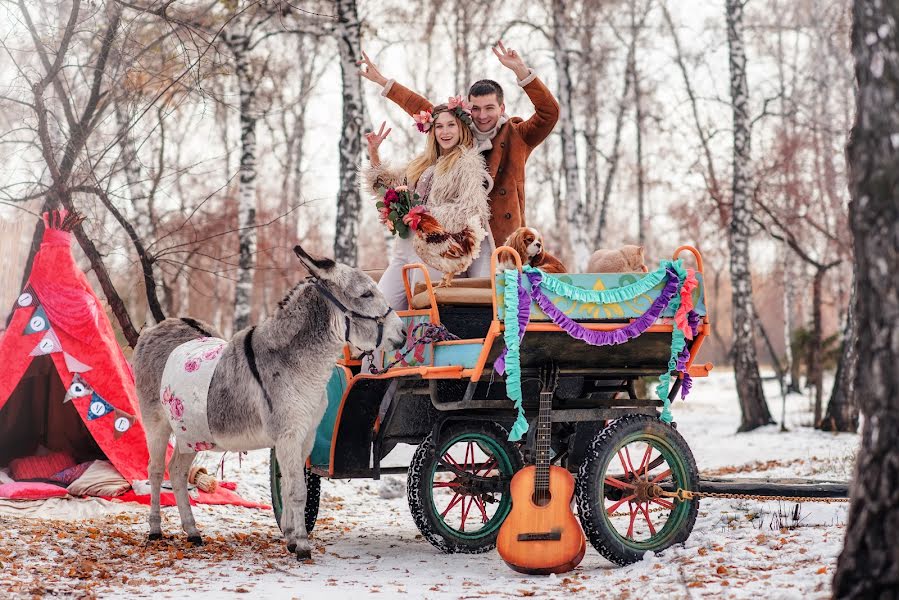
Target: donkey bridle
(347,313)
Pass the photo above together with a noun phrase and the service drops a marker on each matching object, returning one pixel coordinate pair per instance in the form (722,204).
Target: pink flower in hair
(457,102)
(423,121)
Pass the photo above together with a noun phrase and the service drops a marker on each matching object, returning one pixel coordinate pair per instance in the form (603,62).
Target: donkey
(268,388)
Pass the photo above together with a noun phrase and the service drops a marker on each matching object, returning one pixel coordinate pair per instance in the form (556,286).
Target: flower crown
(425,119)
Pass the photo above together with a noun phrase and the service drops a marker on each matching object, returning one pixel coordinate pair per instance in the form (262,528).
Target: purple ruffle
(524,316)
(605,338)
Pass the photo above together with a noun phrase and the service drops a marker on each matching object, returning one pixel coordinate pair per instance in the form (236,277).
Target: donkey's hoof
(196,540)
(155,537)
(292,547)
(304,553)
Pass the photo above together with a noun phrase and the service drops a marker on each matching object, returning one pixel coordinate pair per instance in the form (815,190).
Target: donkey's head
(367,321)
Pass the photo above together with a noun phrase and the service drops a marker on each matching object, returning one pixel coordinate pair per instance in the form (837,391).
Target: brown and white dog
(528,242)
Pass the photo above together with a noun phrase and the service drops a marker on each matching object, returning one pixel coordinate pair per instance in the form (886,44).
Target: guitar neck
(544,441)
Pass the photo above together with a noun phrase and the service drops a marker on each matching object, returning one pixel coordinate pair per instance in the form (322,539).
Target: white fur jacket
(453,197)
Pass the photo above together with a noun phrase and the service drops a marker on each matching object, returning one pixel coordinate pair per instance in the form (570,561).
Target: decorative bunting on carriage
(38,322)
(676,294)
(48,344)
(98,407)
(79,388)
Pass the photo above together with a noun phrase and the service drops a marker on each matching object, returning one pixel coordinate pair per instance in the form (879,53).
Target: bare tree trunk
(842,409)
(869,564)
(573,205)
(246,203)
(638,118)
(753,407)
(815,368)
(349,201)
(791,361)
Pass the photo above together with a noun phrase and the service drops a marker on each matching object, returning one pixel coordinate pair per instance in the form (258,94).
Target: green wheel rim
(487,445)
(680,474)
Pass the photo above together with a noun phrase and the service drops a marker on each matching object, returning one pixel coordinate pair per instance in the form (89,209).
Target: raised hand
(374,142)
(511,60)
(369,70)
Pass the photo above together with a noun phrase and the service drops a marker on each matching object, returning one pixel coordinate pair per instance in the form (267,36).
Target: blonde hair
(432,151)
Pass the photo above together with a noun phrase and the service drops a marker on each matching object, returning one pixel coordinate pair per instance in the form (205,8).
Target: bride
(451,233)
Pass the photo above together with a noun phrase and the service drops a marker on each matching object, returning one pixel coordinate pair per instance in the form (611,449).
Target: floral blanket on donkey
(184,390)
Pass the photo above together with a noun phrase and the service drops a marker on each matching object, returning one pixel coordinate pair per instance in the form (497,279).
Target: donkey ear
(317,266)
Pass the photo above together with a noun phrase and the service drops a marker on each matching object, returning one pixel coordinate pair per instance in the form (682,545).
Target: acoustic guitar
(541,534)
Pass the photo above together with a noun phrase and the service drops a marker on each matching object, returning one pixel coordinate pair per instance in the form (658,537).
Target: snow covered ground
(368,546)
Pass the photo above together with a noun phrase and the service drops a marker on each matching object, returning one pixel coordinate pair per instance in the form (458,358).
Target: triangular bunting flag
(123,422)
(74,365)
(78,389)
(48,344)
(26,298)
(98,407)
(38,322)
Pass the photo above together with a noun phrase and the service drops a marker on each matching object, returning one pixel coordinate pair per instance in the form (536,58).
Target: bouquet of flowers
(400,210)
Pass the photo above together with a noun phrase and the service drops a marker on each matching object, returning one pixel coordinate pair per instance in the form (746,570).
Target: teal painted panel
(423,355)
(465,355)
(321,451)
(581,311)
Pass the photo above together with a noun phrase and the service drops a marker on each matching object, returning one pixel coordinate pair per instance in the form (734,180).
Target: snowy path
(366,546)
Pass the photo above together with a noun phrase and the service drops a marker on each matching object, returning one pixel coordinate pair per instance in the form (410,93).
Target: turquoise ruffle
(513,357)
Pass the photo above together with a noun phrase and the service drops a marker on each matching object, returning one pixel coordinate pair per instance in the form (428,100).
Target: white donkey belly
(184,392)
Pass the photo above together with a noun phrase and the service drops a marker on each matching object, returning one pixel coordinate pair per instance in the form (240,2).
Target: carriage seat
(474,291)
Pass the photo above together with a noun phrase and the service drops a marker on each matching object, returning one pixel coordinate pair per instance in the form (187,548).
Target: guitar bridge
(546,536)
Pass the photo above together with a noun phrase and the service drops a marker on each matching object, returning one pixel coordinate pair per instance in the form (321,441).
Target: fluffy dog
(528,242)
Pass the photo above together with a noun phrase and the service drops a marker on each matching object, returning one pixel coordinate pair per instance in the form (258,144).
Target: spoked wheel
(313,493)
(618,486)
(459,493)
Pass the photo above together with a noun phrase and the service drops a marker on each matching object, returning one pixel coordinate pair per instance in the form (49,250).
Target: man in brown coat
(506,142)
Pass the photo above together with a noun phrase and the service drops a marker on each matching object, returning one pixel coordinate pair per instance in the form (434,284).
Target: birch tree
(349,200)
(868,567)
(754,409)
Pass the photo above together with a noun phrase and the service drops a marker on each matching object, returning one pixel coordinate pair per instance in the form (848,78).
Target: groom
(505,141)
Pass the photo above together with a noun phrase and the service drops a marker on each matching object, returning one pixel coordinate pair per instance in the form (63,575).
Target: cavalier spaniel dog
(528,242)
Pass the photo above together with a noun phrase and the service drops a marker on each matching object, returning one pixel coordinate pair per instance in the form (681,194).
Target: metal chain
(427,333)
(683,495)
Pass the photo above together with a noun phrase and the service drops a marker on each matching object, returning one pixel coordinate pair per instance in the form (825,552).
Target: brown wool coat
(511,147)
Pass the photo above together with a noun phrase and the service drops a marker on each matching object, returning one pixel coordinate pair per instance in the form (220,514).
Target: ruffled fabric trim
(615,295)
(512,339)
(686,303)
(524,317)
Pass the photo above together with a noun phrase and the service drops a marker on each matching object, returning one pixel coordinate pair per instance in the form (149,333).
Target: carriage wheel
(459,493)
(313,493)
(620,518)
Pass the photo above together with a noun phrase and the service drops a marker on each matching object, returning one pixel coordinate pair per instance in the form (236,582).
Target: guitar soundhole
(542,497)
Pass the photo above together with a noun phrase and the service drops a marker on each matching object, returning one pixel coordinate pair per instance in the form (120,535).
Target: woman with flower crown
(446,215)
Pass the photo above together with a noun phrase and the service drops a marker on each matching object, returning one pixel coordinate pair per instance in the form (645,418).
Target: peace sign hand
(370,71)
(511,60)
(374,142)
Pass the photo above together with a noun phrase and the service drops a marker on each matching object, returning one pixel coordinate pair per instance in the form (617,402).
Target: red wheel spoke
(469,449)
(451,460)
(483,509)
(446,484)
(465,512)
(630,463)
(630,527)
(652,530)
(661,475)
(646,456)
(452,503)
(615,506)
(487,466)
(664,503)
(617,483)
(623,464)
